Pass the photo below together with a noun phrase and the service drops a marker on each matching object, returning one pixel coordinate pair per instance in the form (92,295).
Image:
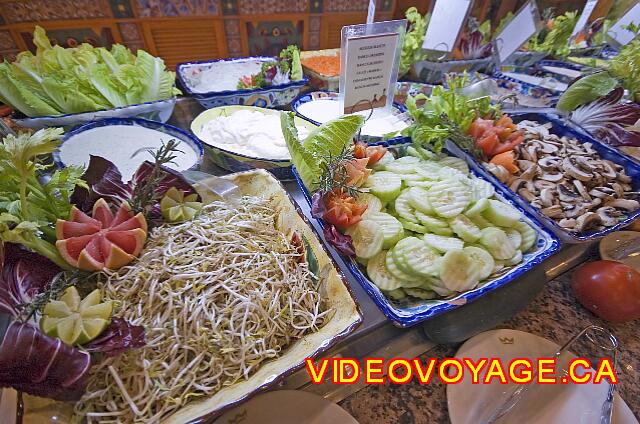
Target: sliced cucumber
(501,214)
(412,151)
(378,274)
(421,293)
(362,261)
(529,235)
(481,222)
(481,189)
(455,163)
(416,257)
(477,208)
(483,259)
(406,178)
(448,198)
(441,243)
(398,167)
(431,222)
(426,154)
(384,160)
(406,279)
(458,271)
(465,229)
(419,183)
(515,259)
(418,199)
(404,209)
(429,170)
(385,185)
(438,286)
(514,237)
(416,228)
(392,230)
(497,243)
(367,238)
(373,203)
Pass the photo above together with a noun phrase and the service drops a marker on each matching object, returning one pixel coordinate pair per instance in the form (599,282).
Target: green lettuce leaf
(586,90)
(311,156)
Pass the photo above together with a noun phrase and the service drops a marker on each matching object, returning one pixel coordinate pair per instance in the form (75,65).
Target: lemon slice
(76,321)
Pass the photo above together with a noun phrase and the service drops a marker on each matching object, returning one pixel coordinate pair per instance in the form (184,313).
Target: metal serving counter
(377,336)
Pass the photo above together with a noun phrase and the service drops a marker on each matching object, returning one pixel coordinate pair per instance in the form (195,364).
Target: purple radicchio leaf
(35,363)
(318,208)
(270,73)
(23,275)
(473,46)
(118,337)
(105,181)
(608,119)
(341,242)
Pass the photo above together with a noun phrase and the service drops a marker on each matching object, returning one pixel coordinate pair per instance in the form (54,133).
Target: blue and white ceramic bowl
(411,311)
(236,162)
(159,111)
(525,59)
(561,70)
(527,75)
(435,72)
(398,109)
(111,138)
(273,96)
(632,169)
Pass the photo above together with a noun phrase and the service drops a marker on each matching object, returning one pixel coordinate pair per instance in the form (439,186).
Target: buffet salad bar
(172,244)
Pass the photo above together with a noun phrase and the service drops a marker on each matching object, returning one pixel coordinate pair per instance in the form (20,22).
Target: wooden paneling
(184,40)
(332,24)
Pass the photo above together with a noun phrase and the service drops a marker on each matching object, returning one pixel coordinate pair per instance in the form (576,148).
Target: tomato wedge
(488,143)
(510,144)
(342,209)
(359,150)
(375,153)
(507,160)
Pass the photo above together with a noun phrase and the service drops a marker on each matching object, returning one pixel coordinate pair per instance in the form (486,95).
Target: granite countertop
(555,314)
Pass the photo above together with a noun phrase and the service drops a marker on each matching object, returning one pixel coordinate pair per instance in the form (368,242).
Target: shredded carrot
(324,65)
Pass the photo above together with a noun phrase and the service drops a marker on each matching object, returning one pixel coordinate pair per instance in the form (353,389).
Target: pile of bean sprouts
(217,296)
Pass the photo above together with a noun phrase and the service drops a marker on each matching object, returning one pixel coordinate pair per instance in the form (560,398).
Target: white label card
(518,31)
(444,27)
(584,18)
(621,35)
(369,71)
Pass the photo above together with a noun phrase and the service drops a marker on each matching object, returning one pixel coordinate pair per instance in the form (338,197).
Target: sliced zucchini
(458,271)
(392,230)
(442,243)
(367,238)
(465,229)
(497,243)
(448,198)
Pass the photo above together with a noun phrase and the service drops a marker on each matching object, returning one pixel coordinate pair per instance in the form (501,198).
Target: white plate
(287,407)
(466,401)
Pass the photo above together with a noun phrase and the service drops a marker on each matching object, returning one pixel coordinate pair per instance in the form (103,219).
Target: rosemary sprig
(54,290)
(335,175)
(145,193)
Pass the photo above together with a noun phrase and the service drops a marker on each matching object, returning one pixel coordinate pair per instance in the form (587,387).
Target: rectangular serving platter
(632,168)
(408,313)
(332,286)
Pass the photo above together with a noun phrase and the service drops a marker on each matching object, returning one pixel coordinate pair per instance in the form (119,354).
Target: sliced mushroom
(529,173)
(554,177)
(527,194)
(574,171)
(587,221)
(516,184)
(567,195)
(525,164)
(553,211)
(567,223)
(549,148)
(547,197)
(626,204)
(582,190)
(609,215)
(608,170)
(618,189)
(597,193)
(623,178)
(549,162)
(542,184)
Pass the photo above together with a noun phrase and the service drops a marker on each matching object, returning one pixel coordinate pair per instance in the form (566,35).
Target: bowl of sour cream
(125,142)
(239,138)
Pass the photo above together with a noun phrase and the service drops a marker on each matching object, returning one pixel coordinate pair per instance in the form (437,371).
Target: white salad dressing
(223,76)
(542,82)
(118,144)
(323,110)
(249,133)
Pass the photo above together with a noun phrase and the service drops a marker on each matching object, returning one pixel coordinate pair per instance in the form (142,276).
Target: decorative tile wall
(166,8)
(346,5)
(314,32)
(269,37)
(121,9)
(250,7)
(232,34)
(131,36)
(47,10)
(73,37)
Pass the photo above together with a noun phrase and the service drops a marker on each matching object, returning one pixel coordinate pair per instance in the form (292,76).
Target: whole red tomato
(609,289)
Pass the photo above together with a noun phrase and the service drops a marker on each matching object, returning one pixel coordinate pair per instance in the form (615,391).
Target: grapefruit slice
(102,241)
(76,321)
